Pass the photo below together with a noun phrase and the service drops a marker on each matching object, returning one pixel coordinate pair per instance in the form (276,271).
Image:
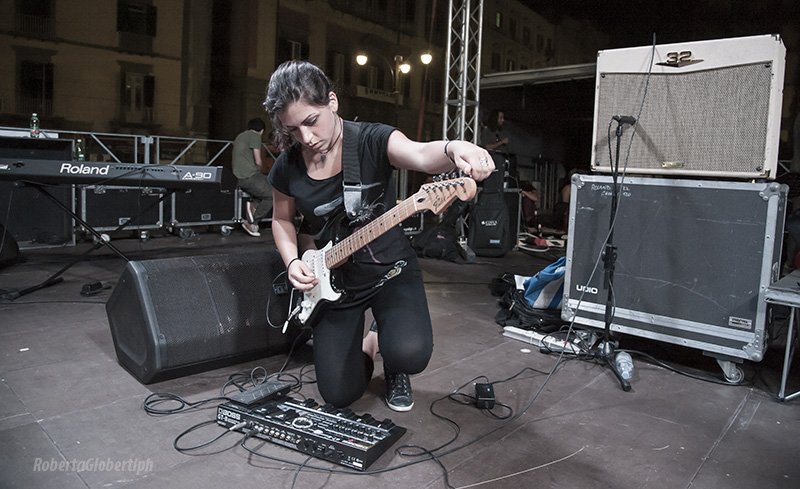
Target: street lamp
(400,66)
(426,58)
(404,67)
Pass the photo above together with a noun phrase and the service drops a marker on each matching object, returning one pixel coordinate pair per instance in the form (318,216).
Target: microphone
(624,119)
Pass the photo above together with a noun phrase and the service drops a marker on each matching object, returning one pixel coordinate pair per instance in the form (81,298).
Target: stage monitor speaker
(171,317)
(711,108)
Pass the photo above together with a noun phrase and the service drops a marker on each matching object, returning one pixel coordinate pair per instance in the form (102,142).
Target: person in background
(248,167)
(384,274)
(492,137)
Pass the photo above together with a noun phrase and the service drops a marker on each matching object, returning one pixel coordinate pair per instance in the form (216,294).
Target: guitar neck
(341,251)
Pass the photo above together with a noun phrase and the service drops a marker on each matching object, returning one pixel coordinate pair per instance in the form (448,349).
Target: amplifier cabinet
(694,259)
(711,108)
(105,208)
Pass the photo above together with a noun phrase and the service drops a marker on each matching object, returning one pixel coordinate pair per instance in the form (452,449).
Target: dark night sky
(633,23)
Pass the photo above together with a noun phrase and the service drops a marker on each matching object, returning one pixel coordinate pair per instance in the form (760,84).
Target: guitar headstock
(438,195)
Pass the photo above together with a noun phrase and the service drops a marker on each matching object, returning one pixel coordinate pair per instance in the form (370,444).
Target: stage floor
(72,417)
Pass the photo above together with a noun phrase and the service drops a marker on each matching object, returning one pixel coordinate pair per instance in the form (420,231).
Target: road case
(204,207)
(694,259)
(105,208)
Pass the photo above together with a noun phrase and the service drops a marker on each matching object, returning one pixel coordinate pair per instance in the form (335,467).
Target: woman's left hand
(473,160)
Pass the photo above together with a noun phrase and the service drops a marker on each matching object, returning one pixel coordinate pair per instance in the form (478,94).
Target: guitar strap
(351,167)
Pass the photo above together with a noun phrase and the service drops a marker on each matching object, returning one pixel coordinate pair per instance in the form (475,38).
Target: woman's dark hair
(294,81)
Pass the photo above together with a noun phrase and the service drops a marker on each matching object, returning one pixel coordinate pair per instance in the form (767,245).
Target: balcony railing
(379,95)
(34,26)
(29,105)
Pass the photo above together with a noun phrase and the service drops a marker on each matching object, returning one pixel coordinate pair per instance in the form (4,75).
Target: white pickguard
(323,291)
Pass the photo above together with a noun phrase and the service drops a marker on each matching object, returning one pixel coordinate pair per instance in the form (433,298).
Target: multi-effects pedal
(336,435)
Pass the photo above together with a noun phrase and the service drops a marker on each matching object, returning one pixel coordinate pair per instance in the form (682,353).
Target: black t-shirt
(321,203)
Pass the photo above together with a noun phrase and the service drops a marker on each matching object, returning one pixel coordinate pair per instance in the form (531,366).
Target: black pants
(260,191)
(405,337)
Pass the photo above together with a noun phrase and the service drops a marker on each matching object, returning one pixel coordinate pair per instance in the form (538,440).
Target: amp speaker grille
(712,121)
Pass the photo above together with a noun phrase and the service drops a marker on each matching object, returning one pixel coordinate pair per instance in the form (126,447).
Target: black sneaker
(398,391)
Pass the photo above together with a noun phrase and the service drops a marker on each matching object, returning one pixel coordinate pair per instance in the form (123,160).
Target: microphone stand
(606,352)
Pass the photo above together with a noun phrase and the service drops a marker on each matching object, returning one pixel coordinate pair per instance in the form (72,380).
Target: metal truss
(462,84)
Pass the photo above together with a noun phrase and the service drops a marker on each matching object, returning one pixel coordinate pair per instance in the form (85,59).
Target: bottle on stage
(34,125)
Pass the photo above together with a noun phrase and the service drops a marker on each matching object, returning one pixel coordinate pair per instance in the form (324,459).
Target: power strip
(540,340)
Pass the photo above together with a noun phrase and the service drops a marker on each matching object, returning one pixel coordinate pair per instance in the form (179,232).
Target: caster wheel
(225,231)
(736,376)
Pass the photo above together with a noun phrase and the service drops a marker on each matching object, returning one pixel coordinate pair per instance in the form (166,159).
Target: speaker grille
(217,305)
(704,121)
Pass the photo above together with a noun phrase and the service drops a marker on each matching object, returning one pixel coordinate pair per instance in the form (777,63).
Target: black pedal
(485,396)
(266,391)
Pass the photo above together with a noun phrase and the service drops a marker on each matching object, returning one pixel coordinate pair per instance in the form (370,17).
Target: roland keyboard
(58,172)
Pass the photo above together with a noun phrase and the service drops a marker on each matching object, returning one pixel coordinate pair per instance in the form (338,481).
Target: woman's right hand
(300,275)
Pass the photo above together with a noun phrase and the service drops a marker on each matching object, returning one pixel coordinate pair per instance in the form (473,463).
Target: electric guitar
(435,197)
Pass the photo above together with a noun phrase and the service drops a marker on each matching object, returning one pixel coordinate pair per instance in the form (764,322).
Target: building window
(136,18)
(137,97)
(526,36)
(405,18)
(35,88)
(498,20)
(289,49)
(496,60)
(337,69)
(35,18)
(371,77)
(136,27)
(295,50)
(435,93)
(512,28)
(539,43)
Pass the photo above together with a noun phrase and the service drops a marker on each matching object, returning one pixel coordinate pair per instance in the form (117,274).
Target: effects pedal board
(336,435)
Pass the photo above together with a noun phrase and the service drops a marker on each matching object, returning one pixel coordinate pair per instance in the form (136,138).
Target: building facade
(199,68)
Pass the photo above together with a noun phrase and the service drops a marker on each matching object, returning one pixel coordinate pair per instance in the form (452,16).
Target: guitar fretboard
(342,250)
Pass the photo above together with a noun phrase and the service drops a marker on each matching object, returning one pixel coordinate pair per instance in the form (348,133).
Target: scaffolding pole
(462,84)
